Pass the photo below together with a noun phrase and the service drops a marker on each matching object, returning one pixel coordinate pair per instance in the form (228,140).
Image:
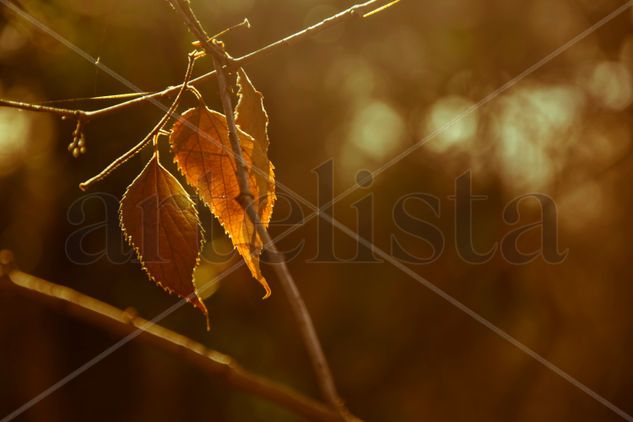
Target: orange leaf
(160,221)
(252,118)
(202,149)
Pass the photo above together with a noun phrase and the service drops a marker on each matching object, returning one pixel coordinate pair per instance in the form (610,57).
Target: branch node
(7,262)
(130,315)
(275,256)
(244,198)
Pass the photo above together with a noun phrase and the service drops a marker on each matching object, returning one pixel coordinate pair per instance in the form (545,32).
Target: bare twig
(63,112)
(357,11)
(125,322)
(159,126)
(223,63)
(300,311)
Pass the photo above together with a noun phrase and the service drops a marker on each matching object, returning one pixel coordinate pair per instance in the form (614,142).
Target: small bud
(71,146)
(82,150)
(76,152)
(81,142)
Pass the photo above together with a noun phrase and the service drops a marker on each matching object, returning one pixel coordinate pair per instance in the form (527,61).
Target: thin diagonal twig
(145,141)
(125,322)
(221,61)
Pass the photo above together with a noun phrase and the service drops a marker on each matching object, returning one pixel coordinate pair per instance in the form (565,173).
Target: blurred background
(357,95)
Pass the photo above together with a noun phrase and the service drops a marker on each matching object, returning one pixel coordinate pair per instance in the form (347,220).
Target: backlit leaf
(202,150)
(252,118)
(160,221)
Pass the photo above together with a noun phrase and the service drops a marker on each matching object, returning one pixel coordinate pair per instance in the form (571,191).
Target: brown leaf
(252,118)
(202,149)
(160,221)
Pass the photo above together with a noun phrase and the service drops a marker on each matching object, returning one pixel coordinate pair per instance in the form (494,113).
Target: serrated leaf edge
(260,277)
(199,304)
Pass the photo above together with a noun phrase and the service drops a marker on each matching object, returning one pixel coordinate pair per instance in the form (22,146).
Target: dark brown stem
(300,311)
(125,323)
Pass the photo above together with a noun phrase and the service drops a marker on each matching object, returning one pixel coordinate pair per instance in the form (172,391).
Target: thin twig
(125,322)
(221,62)
(357,11)
(157,129)
(63,112)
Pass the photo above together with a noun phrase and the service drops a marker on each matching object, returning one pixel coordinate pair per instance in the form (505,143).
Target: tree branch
(222,63)
(145,141)
(125,322)
(356,11)
(63,112)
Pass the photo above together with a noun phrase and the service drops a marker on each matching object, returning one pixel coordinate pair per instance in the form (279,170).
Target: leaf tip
(266,287)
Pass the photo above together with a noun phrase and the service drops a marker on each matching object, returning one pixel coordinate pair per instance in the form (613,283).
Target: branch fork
(224,69)
(315,351)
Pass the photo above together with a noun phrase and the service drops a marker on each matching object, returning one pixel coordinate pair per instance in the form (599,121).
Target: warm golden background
(358,94)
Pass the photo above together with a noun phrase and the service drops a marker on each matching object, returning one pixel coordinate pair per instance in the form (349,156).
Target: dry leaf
(252,118)
(202,149)
(160,221)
